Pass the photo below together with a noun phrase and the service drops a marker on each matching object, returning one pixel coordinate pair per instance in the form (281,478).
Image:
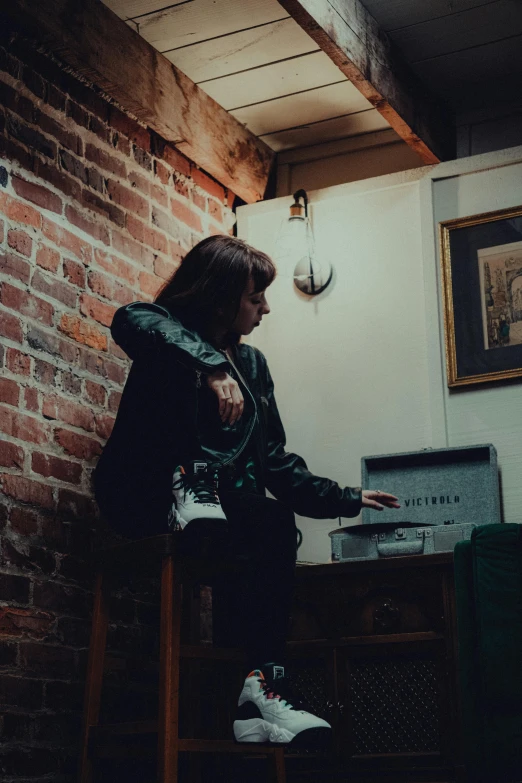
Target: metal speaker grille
(394,707)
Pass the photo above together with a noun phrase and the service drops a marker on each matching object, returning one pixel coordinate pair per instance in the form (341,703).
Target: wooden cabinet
(373,647)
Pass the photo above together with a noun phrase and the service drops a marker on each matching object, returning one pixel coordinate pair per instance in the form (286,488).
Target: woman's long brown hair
(211,277)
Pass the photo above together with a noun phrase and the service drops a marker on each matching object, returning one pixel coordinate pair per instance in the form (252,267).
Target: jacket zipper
(254,418)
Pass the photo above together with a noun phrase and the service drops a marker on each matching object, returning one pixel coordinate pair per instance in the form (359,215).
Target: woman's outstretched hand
(374,498)
(231,401)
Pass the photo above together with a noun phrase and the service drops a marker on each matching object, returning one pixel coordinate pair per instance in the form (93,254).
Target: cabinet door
(395,705)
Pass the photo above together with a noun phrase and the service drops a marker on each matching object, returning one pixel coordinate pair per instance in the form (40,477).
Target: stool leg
(279,764)
(170,625)
(93,684)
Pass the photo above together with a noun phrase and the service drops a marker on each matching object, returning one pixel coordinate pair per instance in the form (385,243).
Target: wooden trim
(350,36)
(90,38)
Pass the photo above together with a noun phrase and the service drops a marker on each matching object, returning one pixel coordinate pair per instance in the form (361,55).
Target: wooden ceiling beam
(98,45)
(351,37)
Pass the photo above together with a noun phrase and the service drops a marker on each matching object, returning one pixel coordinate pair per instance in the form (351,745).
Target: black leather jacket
(154,339)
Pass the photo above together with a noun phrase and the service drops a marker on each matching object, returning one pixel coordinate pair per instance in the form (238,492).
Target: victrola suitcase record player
(444,494)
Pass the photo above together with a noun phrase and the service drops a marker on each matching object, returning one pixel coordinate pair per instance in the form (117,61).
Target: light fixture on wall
(295,252)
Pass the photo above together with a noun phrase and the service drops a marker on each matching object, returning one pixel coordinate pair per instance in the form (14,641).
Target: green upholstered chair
(488,578)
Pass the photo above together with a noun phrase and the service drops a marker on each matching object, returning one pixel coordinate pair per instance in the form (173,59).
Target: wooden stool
(156,555)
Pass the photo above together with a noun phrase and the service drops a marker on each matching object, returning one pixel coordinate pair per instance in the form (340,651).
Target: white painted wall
(359,369)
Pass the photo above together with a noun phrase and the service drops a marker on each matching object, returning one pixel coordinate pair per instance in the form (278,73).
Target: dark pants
(251,607)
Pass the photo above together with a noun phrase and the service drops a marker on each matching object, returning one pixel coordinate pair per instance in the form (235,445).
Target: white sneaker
(194,488)
(264,715)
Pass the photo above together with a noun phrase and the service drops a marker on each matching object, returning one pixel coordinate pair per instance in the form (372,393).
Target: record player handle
(401,548)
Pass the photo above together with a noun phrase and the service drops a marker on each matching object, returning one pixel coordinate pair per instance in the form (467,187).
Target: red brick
(176,251)
(115,372)
(27,304)
(128,199)
(181,185)
(47,660)
(162,172)
(104,160)
(185,214)
(30,137)
(19,212)
(104,425)
(165,268)
(100,284)
(145,234)
(95,393)
(51,343)
(74,272)
(92,362)
(215,210)
(62,469)
(11,455)
(150,284)
(81,331)
(66,138)
(20,622)
(77,445)
(48,258)
(55,289)
(131,249)
(37,194)
(9,391)
(2,231)
(24,522)
(12,151)
(23,427)
(15,267)
(20,241)
(160,194)
(199,200)
(69,412)
(140,182)
(44,372)
(18,362)
(31,399)
(59,180)
(130,128)
(202,180)
(96,230)
(10,327)
(68,241)
(120,143)
(104,208)
(32,492)
(114,401)
(116,351)
(71,384)
(175,159)
(99,311)
(74,504)
(116,266)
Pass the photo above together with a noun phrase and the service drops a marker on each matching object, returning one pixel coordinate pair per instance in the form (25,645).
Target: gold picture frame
(481,263)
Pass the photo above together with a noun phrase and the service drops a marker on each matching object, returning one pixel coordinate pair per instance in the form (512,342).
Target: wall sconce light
(295,250)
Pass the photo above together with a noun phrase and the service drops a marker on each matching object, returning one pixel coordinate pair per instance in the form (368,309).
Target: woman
(196,443)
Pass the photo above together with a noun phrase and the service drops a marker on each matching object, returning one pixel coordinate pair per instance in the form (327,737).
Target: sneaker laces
(202,486)
(283,690)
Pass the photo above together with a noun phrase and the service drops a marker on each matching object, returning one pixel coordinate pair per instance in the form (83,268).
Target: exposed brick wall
(95,211)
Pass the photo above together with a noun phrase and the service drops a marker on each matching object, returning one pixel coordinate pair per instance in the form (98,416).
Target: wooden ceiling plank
(273,81)
(230,54)
(476,27)
(328,130)
(98,45)
(128,9)
(353,40)
(198,21)
(302,108)
(396,14)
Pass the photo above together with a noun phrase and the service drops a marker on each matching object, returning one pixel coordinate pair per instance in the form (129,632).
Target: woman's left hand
(374,498)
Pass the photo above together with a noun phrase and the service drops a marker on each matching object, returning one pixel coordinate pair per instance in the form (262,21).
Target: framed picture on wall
(482,288)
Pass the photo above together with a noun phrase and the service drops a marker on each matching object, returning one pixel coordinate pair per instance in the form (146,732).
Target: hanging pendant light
(295,250)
